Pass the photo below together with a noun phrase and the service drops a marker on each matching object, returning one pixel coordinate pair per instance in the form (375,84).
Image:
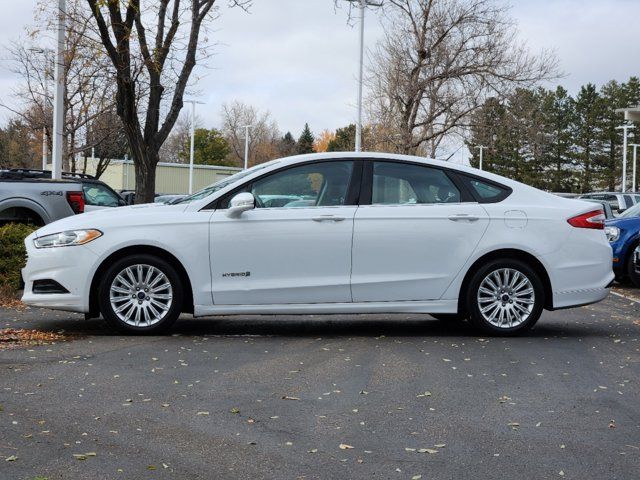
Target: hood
(120,216)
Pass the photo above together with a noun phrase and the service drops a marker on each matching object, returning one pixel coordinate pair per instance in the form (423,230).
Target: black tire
(634,277)
(175,290)
(477,319)
(449,317)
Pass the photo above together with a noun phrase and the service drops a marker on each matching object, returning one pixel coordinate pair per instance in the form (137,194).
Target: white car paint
(405,258)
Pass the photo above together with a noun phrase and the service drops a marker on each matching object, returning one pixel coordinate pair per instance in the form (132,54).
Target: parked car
(386,233)
(95,195)
(606,207)
(619,201)
(38,201)
(624,235)
(169,199)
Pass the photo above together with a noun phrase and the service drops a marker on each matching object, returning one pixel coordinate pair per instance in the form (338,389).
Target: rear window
(485,191)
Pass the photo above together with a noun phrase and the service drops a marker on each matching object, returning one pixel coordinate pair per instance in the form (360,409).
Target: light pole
(191,145)
(58,96)
(481,148)
(246,145)
(633,178)
(625,129)
(362,4)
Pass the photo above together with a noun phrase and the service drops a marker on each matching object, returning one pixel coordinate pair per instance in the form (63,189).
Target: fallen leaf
(12,458)
(235,410)
(427,450)
(344,446)
(287,397)
(202,413)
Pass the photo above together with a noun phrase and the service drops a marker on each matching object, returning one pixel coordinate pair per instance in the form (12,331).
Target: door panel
(295,246)
(282,255)
(412,252)
(416,235)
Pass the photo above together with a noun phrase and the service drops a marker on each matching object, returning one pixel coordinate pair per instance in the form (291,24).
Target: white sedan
(351,233)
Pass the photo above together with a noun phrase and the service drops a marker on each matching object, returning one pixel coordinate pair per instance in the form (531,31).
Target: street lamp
(58,96)
(191,146)
(625,128)
(362,4)
(246,145)
(481,148)
(45,148)
(633,179)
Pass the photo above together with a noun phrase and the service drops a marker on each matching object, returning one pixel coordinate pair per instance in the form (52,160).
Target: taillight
(594,219)
(76,201)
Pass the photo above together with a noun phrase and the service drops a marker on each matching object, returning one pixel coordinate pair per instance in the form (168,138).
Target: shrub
(12,255)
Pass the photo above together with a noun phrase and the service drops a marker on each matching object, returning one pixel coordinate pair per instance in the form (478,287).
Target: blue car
(624,235)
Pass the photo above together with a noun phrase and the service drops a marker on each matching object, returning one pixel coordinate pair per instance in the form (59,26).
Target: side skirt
(432,306)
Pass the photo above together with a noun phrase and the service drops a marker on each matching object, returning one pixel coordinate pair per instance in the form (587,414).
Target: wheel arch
(509,253)
(187,306)
(29,207)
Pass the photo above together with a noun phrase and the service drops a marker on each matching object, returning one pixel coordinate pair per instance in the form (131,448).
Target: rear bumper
(581,271)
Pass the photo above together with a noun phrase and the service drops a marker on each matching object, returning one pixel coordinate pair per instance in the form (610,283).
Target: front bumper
(71,267)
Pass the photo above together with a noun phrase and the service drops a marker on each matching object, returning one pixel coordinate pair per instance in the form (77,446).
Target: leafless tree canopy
(263,134)
(89,90)
(438,61)
(154,47)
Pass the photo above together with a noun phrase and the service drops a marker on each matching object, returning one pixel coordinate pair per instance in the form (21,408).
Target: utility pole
(58,96)
(193,137)
(625,129)
(633,178)
(246,145)
(362,5)
(481,148)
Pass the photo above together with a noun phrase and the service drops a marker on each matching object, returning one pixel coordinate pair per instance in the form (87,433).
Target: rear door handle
(327,218)
(464,217)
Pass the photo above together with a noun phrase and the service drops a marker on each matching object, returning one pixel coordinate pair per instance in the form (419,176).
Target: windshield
(632,212)
(205,192)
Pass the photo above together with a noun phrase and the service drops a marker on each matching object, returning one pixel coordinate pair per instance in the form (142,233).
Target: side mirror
(241,203)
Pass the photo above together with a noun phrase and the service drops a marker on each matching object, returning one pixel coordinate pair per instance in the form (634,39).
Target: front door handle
(464,217)
(327,218)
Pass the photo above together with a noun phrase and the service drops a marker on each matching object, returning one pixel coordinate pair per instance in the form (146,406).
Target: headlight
(67,239)
(612,233)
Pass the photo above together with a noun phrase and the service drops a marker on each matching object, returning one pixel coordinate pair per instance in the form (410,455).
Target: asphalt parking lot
(325,397)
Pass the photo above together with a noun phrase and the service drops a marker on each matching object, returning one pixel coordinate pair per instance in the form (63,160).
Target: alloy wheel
(141,295)
(506,298)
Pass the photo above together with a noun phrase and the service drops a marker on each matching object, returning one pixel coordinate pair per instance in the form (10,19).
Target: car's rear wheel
(631,269)
(141,294)
(505,297)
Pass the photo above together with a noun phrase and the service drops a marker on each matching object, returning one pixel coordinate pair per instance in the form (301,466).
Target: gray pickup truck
(38,201)
(30,196)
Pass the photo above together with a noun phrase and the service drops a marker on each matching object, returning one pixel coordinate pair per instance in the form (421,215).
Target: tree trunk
(145,169)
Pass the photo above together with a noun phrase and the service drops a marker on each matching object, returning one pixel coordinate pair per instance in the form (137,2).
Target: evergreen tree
(587,135)
(287,145)
(344,141)
(558,128)
(305,142)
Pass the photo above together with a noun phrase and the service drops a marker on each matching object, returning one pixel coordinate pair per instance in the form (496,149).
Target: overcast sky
(298,58)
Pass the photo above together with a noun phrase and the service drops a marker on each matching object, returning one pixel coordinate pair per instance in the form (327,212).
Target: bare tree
(263,135)
(163,39)
(438,61)
(89,91)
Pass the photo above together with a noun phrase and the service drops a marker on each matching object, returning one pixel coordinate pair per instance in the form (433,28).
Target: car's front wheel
(505,297)
(141,294)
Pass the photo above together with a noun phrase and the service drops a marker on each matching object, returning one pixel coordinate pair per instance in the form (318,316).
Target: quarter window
(406,184)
